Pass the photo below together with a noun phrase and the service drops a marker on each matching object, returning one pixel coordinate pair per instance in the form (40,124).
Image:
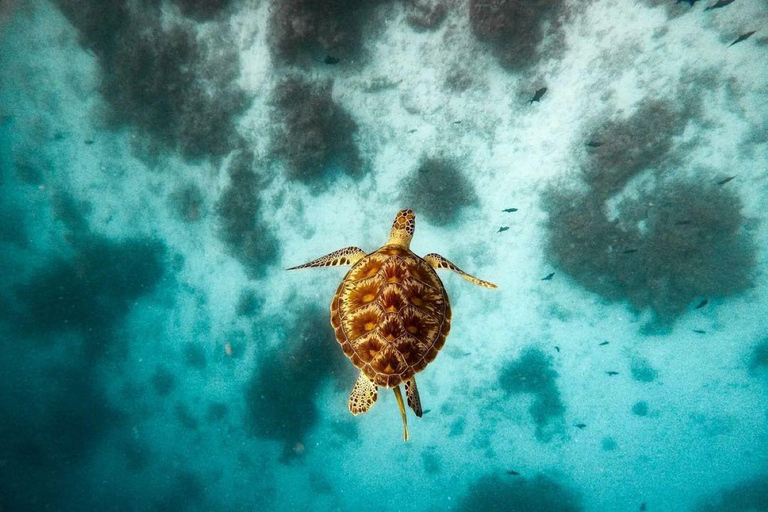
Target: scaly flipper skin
(412,396)
(346,256)
(438,262)
(363,395)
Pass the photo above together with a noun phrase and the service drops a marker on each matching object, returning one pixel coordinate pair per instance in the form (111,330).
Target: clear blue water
(163,162)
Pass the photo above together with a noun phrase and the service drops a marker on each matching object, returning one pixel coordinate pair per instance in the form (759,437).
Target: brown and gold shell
(391,315)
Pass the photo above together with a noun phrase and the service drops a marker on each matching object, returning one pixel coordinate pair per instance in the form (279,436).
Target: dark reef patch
(640,408)
(425,14)
(315,136)
(759,360)
(533,374)
(642,141)
(517,31)
(194,356)
(642,371)
(537,494)
(305,31)
(52,421)
(661,245)
(280,397)
(242,230)
(163,381)
(202,10)
(746,496)
(91,293)
(188,203)
(178,89)
(439,191)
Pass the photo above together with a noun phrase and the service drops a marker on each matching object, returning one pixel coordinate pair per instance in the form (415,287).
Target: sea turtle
(391,314)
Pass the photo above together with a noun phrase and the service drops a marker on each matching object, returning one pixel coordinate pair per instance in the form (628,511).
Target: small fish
(549,277)
(510,210)
(228,349)
(604,343)
(682,223)
(701,304)
(457,122)
(726,180)
(513,472)
(580,425)
(699,331)
(58,136)
(611,374)
(89,142)
(719,4)
(690,2)
(743,37)
(502,229)
(557,348)
(538,94)
(643,507)
(412,131)
(594,143)
(425,411)
(629,251)
(331,60)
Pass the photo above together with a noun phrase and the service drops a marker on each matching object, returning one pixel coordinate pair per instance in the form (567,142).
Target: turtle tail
(401,405)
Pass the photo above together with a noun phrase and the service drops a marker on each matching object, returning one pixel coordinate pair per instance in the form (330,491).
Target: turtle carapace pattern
(391,314)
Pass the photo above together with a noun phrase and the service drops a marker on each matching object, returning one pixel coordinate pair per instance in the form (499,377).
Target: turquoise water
(603,162)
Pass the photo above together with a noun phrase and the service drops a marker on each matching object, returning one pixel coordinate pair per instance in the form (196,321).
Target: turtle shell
(391,315)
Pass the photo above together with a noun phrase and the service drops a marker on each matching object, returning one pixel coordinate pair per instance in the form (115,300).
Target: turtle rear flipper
(363,395)
(412,396)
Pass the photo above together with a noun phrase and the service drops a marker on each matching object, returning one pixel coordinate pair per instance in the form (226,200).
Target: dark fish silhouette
(701,304)
(538,94)
(412,131)
(510,210)
(726,180)
(604,343)
(580,425)
(611,374)
(689,2)
(89,142)
(512,472)
(502,229)
(425,411)
(699,331)
(743,37)
(557,348)
(331,60)
(457,122)
(549,277)
(629,251)
(594,143)
(642,505)
(682,223)
(719,4)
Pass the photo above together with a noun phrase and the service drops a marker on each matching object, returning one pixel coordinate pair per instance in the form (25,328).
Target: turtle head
(402,229)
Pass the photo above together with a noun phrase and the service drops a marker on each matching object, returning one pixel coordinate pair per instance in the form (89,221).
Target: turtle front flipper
(412,396)
(363,395)
(346,256)
(438,262)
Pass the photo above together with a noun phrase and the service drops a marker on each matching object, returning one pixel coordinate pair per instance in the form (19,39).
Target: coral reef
(533,374)
(315,135)
(161,79)
(246,236)
(537,494)
(439,191)
(515,30)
